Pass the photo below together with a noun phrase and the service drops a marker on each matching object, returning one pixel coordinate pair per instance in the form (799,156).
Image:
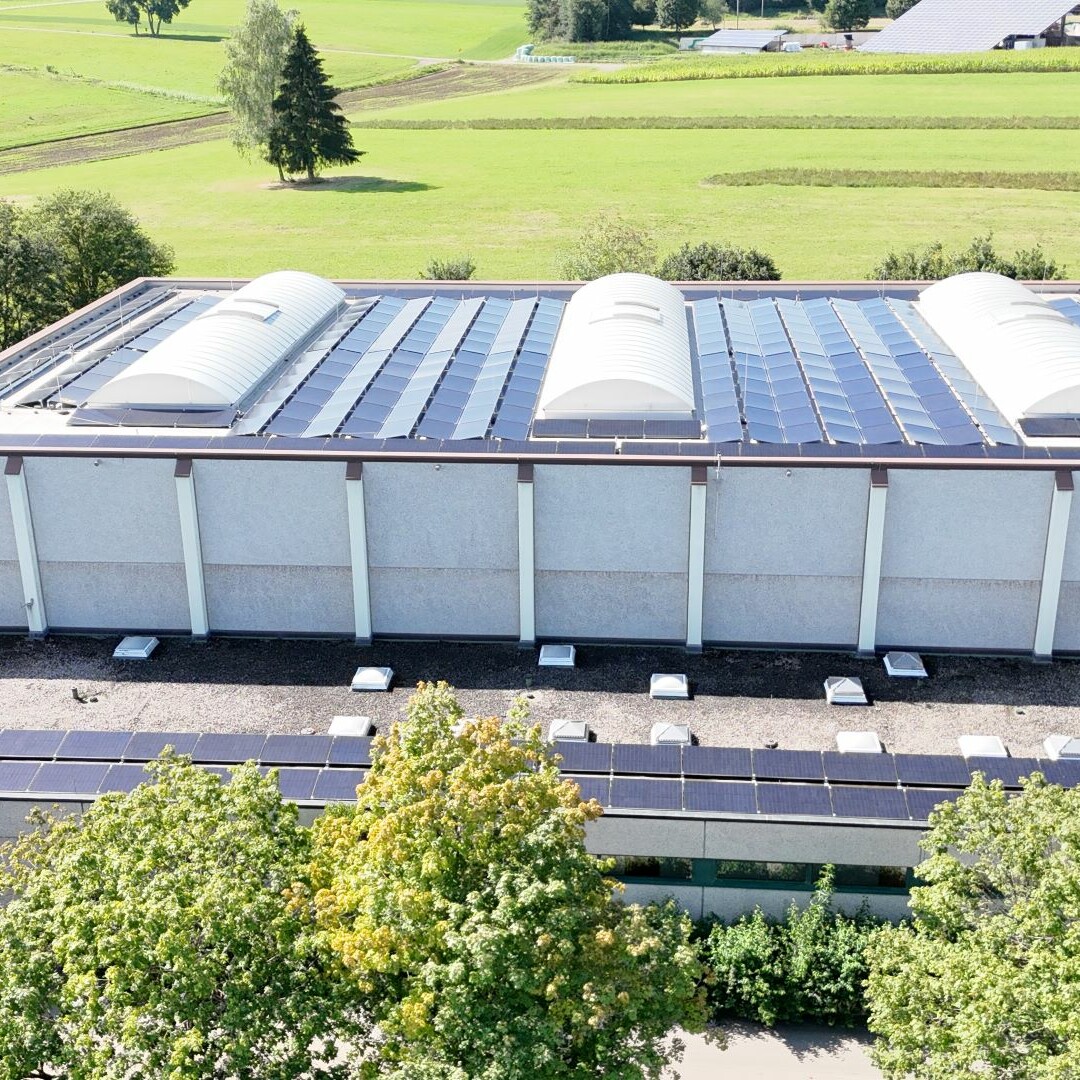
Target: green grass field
(513,198)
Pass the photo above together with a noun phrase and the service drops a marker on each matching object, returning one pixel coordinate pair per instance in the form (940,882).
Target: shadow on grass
(350,184)
(166,36)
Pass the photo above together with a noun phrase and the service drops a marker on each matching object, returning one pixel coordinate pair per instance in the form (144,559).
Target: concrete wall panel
(280,599)
(671,837)
(778,842)
(444,603)
(125,597)
(8,551)
(1067,631)
(12,609)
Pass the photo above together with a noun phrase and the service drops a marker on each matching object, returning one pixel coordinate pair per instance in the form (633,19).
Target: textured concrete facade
(12,610)
(1067,636)
(612,545)
(783,555)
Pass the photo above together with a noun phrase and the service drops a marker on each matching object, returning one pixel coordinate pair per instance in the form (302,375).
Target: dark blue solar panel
(222,772)
(124,778)
(720,797)
(775,400)
(295,750)
(1067,306)
(922,800)
(672,429)
(642,760)
(232,749)
(69,779)
(351,750)
(847,398)
(147,745)
(869,802)
(1007,770)
(938,770)
(1065,773)
(592,787)
(93,745)
(16,775)
(719,398)
(297,784)
(560,429)
(646,794)
(716,761)
(810,799)
(859,768)
(788,765)
(583,757)
(514,414)
(30,743)
(927,409)
(338,785)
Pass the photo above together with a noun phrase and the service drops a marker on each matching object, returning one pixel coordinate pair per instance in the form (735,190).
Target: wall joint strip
(22,522)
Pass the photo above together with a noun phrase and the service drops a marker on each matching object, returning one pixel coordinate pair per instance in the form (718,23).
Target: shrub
(461,268)
(933,262)
(610,244)
(715,262)
(846,14)
(895,8)
(810,967)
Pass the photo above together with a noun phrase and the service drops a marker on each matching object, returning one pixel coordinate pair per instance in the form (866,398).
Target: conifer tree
(308,129)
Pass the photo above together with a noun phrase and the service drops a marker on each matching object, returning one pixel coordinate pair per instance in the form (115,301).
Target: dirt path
(460,80)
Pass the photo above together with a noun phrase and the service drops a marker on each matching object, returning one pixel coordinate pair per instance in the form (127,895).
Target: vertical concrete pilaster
(358,550)
(1057,531)
(188,507)
(22,522)
(695,575)
(875,539)
(526,558)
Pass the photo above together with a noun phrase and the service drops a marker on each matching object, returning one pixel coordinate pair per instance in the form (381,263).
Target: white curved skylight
(623,350)
(221,358)
(1024,353)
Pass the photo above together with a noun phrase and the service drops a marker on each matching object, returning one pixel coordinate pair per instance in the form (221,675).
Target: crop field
(507,163)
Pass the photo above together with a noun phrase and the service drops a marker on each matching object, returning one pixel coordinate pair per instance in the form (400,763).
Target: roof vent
(623,350)
(372,678)
(135,648)
(665,734)
(842,690)
(351,725)
(904,665)
(569,731)
(1062,748)
(858,742)
(557,655)
(669,686)
(982,746)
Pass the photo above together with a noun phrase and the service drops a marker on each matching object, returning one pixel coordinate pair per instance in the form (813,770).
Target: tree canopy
(255,59)
(155,12)
(154,937)
(579,20)
(309,130)
(609,244)
(717,262)
(986,979)
(934,262)
(677,14)
(846,14)
(29,286)
(459,895)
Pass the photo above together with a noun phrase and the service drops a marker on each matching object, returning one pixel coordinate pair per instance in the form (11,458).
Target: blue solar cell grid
(720,797)
(93,745)
(717,761)
(69,778)
(592,787)
(1064,773)
(583,757)
(921,801)
(123,778)
(515,412)
(937,770)
(646,794)
(16,775)
(719,397)
(859,768)
(788,765)
(297,783)
(777,798)
(231,749)
(147,745)
(1068,307)
(295,750)
(775,400)
(29,743)
(869,802)
(1008,770)
(351,750)
(848,400)
(338,785)
(642,760)
(925,406)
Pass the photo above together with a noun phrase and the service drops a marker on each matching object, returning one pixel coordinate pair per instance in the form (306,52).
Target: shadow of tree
(804,1041)
(350,184)
(166,35)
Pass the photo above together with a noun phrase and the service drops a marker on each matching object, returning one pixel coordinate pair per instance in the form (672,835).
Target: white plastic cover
(1023,352)
(218,359)
(623,350)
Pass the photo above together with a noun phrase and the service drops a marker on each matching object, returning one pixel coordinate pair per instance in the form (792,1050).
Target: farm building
(729,42)
(954,26)
(776,464)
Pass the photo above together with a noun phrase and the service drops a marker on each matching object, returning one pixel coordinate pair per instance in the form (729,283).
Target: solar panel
(560,429)
(719,397)
(869,802)
(643,760)
(351,750)
(1007,770)
(69,779)
(583,757)
(720,797)
(93,745)
(672,429)
(29,743)
(646,794)
(788,765)
(859,768)
(1064,773)
(937,770)
(922,800)
(232,748)
(147,745)
(338,785)
(810,799)
(123,778)
(592,787)
(717,761)
(847,399)
(1068,307)
(922,402)
(16,775)
(295,750)
(297,784)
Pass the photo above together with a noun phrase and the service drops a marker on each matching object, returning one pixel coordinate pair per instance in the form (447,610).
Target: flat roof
(803,373)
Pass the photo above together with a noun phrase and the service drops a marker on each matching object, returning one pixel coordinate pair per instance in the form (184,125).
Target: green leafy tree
(934,262)
(846,14)
(644,13)
(154,938)
(716,262)
(895,8)
(585,20)
(677,14)
(29,288)
(714,11)
(155,12)
(459,894)
(986,979)
(544,18)
(255,59)
(309,130)
(100,244)
(610,244)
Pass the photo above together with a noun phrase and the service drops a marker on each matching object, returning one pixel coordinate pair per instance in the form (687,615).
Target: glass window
(649,866)
(873,877)
(744,870)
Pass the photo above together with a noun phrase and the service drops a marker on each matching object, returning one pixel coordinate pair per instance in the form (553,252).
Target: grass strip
(818,62)
(677,123)
(897,178)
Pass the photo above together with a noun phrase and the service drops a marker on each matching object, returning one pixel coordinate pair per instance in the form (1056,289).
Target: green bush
(933,262)
(461,268)
(716,262)
(809,968)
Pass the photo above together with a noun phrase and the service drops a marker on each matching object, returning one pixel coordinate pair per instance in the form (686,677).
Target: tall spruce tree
(308,130)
